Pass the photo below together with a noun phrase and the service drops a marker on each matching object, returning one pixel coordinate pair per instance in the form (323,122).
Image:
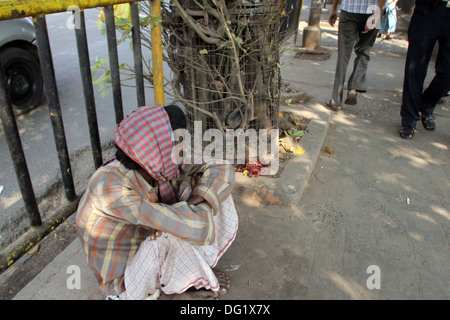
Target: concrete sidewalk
(378,202)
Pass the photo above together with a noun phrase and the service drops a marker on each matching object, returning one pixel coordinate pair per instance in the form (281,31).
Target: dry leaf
(220,85)
(329,150)
(299,150)
(34,250)
(287,146)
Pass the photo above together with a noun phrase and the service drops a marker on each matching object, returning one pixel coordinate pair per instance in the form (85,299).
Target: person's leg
(440,85)
(347,31)
(182,270)
(392,21)
(383,23)
(422,36)
(174,267)
(358,79)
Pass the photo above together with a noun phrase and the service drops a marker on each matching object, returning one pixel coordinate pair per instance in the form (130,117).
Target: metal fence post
(86,79)
(137,53)
(114,62)
(51,91)
(17,154)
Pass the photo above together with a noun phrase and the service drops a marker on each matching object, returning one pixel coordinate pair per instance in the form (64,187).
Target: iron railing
(38,9)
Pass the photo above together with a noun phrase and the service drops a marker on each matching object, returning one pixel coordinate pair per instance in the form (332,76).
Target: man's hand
(195,180)
(153,233)
(195,200)
(366,29)
(333,13)
(333,17)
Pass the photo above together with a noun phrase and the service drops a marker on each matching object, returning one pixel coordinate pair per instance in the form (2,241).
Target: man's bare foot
(224,281)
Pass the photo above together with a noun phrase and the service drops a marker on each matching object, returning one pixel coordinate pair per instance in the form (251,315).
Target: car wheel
(23,78)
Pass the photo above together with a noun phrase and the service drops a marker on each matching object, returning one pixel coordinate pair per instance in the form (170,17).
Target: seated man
(152,228)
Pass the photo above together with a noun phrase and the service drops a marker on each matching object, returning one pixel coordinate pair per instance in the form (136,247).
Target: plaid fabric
(174,265)
(146,137)
(119,206)
(358,6)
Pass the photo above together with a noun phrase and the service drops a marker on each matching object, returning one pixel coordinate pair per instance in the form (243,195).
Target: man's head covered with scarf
(146,137)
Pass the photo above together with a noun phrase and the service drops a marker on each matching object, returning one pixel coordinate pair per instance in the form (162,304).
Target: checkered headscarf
(146,137)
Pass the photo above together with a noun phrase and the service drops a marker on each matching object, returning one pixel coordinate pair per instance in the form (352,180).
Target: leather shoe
(407,132)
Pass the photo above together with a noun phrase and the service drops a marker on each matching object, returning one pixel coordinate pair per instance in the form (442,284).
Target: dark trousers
(351,26)
(423,33)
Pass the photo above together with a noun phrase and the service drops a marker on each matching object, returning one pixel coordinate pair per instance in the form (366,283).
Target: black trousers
(423,33)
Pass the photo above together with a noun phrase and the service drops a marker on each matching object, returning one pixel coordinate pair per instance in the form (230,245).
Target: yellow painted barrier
(11,9)
(157,54)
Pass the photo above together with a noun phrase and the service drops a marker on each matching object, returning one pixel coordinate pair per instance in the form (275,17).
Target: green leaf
(144,21)
(296,133)
(203,51)
(155,21)
(103,81)
(99,63)
(105,78)
(122,22)
(239,40)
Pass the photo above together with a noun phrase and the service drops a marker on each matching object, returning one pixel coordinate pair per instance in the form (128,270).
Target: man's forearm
(335,5)
(214,185)
(381,4)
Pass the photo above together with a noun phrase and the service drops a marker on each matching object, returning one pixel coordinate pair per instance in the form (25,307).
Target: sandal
(333,106)
(351,99)
(407,132)
(428,122)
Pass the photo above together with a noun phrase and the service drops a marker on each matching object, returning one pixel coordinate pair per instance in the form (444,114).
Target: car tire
(23,78)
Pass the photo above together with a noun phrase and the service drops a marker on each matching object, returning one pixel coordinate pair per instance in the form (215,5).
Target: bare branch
(188,19)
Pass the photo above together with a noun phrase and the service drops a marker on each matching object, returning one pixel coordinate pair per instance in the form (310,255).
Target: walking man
(357,22)
(430,24)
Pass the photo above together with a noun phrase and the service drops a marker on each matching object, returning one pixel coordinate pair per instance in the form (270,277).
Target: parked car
(20,61)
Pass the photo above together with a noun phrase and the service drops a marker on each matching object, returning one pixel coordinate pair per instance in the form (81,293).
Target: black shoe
(428,122)
(407,132)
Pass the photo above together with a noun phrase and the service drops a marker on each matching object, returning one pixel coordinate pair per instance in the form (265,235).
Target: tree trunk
(226,61)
